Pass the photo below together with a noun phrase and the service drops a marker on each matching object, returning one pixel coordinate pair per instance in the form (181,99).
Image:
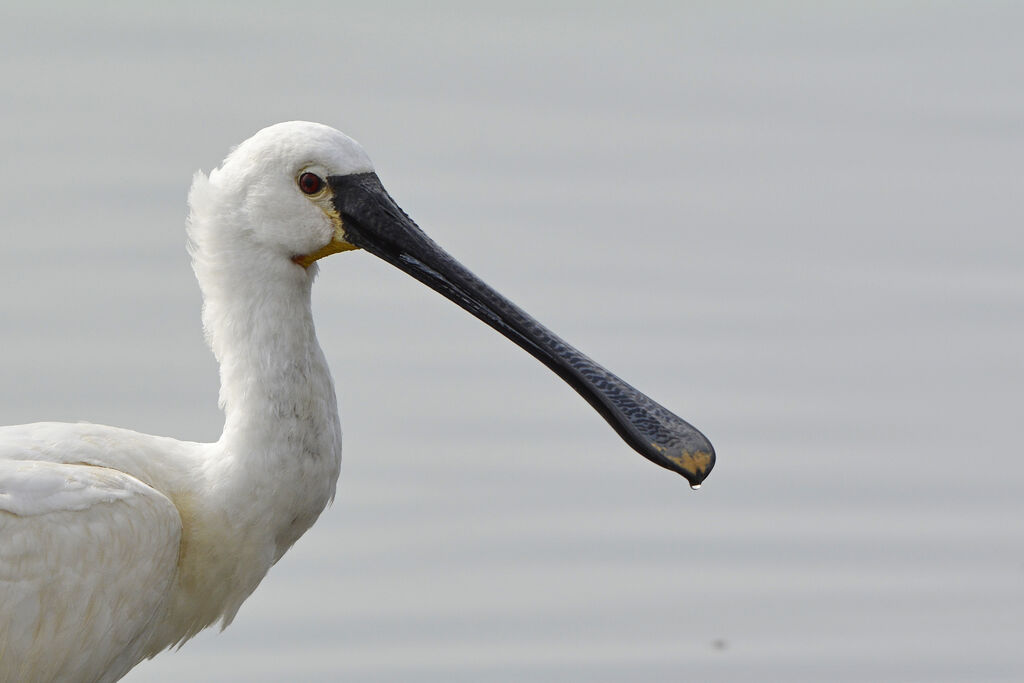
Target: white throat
(282,436)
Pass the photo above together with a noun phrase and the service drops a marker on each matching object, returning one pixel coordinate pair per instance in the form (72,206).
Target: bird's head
(272,195)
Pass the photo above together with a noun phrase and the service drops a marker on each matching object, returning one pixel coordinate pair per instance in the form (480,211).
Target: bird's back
(86,563)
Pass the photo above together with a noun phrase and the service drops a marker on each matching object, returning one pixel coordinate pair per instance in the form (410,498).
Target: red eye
(310,183)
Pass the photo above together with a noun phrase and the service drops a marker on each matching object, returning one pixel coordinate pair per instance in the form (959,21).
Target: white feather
(115,545)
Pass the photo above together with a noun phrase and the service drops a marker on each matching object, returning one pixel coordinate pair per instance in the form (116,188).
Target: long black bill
(372,221)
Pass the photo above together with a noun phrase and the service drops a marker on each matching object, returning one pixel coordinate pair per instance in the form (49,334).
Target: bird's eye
(310,183)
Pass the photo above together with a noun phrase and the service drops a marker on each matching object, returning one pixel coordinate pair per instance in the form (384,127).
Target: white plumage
(155,539)
(115,545)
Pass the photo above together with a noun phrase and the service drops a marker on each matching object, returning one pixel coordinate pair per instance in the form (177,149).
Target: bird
(116,545)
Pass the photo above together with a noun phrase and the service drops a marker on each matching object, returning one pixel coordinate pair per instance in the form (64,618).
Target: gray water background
(796,224)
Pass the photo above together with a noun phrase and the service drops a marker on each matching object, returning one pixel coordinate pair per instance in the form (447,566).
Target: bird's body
(195,526)
(115,545)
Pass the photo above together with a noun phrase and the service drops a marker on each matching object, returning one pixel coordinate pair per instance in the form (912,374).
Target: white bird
(115,545)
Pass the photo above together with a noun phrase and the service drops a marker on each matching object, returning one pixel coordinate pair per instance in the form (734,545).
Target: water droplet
(695,487)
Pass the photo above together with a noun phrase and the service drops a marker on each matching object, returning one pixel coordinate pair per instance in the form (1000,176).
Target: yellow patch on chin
(335,246)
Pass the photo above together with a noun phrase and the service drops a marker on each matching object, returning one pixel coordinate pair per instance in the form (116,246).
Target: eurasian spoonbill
(115,545)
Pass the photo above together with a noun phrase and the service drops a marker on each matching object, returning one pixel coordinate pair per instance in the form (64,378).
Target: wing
(87,557)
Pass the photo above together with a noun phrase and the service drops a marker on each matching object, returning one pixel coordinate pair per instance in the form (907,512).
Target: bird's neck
(276,465)
(281,445)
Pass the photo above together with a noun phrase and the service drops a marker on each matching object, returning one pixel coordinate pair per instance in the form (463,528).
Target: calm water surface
(798,226)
